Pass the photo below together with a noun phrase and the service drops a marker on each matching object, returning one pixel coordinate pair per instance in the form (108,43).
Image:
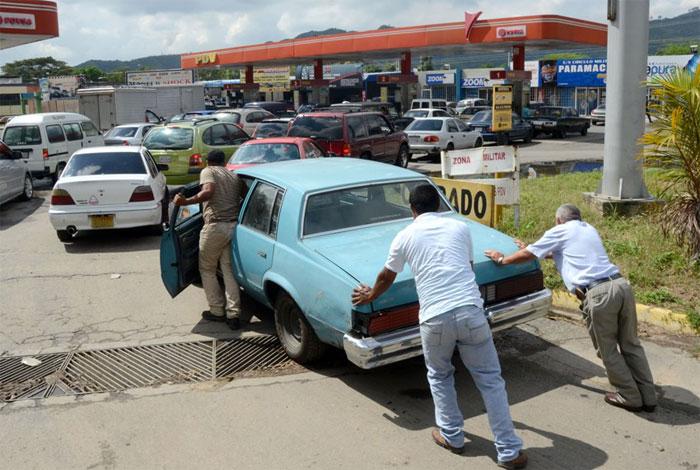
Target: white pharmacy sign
(479,161)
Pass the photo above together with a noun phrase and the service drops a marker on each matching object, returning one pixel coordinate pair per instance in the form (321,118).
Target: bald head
(567,212)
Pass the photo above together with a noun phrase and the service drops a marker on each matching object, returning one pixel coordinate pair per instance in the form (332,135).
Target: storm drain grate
(118,369)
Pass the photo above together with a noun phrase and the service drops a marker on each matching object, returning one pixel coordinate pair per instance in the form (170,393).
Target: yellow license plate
(102,221)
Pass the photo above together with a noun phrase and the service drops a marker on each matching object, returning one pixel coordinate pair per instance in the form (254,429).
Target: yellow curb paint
(665,318)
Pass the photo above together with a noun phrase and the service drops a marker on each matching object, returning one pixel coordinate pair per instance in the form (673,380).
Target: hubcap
(28,189)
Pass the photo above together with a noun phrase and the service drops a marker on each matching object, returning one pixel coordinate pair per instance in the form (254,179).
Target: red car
(277,149)
(349,134)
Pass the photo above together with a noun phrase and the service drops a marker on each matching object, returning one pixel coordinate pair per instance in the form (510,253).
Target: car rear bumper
(427,148)
(395,346)
(124,217)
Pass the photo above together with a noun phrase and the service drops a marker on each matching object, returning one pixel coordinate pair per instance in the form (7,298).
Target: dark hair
(424,198)
(216,157)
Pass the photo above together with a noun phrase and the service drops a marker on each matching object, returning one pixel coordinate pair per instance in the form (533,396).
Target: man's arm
(520,256)
(363,294)
(203,195)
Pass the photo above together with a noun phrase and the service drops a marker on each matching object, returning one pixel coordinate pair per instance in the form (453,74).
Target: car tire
(298,338)
(478,142)
(528,138)
(584,130)
(64,236)
(366,156)
(403,157)
(28,190)
(59,169)
(450,147)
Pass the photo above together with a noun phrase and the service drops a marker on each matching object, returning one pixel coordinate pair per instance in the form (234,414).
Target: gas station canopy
(471,35)
(26,21)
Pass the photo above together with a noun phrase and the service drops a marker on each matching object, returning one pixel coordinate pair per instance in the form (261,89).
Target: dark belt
(581,291)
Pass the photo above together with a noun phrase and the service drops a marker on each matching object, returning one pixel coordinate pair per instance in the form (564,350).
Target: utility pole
(622,189)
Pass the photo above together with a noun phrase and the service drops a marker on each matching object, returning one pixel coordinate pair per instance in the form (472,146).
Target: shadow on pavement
(114,241)
(255,318)
(14,212)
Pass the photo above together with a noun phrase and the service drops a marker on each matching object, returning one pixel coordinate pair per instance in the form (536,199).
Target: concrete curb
(662,317)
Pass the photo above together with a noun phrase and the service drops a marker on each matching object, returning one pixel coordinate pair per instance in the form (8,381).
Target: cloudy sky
(128,29)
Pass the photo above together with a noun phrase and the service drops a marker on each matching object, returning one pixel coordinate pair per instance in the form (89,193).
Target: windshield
(233,118)
(22,135)
(416,114)
(117,163)
(482,116)
(169,138)
(265,153)
(328,128)
(123,132)
(362,205)
(425,125)
(556,112)
(271,129)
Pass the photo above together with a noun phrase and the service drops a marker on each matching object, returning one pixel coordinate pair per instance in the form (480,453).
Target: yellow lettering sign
(473,200)
(203,59)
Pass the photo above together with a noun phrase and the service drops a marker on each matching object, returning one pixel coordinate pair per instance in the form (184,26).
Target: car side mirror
(162,167)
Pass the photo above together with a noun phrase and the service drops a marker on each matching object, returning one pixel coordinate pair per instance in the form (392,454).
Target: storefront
(437,84)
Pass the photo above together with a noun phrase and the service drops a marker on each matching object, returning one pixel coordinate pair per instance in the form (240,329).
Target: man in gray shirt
(607,303)
(221,200)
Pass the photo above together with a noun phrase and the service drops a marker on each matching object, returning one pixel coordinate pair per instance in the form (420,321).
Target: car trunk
(178,161)
(101,190)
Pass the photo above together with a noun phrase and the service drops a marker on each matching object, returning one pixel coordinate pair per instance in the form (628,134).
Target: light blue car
(312,230)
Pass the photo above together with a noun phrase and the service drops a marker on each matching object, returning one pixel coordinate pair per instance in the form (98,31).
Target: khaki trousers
(611,317)
(214,251)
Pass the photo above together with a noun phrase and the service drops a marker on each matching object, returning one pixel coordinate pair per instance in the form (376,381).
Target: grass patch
(658,269)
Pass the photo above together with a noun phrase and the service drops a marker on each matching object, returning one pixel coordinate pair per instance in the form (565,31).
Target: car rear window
(169,138)
(271,129)
(362,205)
(556,112)
(112,163)
(265,153)
(416,114)
(316,127)
(233,118)
(123,132)
(426,125)
(22,135)
(482,116)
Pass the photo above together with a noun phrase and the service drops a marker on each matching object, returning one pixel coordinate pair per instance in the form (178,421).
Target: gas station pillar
(319,93)
(405,88)
(250,93)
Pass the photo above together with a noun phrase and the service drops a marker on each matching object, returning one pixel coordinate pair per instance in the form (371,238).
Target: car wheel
(64,236)
(28,191)
(478,142)
(366,156)
(528,138)
(59,169)
(296,335)
(403,157)
(450,147)
(584,131)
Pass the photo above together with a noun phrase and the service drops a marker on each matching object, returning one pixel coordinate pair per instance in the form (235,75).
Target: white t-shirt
(578,253)
(439,251)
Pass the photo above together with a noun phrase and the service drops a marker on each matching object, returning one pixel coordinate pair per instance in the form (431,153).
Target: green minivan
(184,146)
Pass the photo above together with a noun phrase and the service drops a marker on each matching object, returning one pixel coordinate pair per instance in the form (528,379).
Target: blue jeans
(467,329)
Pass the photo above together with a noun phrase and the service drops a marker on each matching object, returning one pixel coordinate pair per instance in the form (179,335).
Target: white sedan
(109,187)
(432,135)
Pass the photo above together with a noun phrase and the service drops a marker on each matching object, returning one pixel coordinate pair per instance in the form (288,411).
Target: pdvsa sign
(507,32)
(17,21)
(203,59)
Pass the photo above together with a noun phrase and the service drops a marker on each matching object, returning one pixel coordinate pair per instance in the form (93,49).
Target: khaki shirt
(225,204)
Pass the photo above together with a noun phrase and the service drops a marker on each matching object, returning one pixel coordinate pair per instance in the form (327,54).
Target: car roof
(110,149)
(136,124)
(277,140)
(316,174)
(39,118)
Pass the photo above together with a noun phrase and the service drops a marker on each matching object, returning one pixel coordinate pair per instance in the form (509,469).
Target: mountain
(680,29)
(155,62)
(325,32)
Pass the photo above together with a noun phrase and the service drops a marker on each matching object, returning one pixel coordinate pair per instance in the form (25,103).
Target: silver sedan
(432,135)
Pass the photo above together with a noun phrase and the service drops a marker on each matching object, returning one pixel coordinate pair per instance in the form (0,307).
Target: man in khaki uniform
(221,199)
(607,303)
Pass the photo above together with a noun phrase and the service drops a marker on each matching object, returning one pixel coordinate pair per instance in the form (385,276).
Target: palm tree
(674,146)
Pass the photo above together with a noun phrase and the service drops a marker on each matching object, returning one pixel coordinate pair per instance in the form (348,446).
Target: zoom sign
(473,200)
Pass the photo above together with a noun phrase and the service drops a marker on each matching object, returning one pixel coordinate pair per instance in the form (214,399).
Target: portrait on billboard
(548,72)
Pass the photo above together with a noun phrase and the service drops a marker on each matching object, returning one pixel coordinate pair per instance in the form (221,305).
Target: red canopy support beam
(406,63)
(318,69)
(519,57)
(249,74)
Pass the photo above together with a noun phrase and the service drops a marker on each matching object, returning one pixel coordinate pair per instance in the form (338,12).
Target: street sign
(501,119)
(478,161)
(507,190)
(473,200)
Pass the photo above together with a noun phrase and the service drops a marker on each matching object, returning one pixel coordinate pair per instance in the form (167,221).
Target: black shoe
(234,323)
(207,315)
(615,399)
(649,408)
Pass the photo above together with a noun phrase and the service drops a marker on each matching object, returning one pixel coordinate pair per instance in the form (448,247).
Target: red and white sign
(507,190)
(507,32)
(478,161)
(17,21)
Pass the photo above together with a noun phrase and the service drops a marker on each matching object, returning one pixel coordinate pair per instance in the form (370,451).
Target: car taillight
(431,138)
(141,194)
(125,142)
(45,153)
(393,319)
(346,150)
(60,197)
(196,160)
(512,287)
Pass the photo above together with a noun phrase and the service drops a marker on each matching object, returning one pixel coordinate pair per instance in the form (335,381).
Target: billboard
(548,73)
(158,78)
(581,72)
(64,86)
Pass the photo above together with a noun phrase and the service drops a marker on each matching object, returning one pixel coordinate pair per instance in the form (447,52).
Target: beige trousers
(215,251)
(611,317)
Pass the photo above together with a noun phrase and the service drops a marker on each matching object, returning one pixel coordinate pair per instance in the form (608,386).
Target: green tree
(426,63)
(565,55)
(677,48)
(674,147)
(33,69)
(217,74)
(116,77)
(91,73)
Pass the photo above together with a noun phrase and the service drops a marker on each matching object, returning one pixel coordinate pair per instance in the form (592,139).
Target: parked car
(400,124)
(184,146)
(387,109)
(47,140)
(466,114)
(109,187)
(558,121)
(189,116)
(366,135)
(278,149)
(306,108)
(245,118)
(15,177)
(426,113)
(278,108)
(277,127)
(333,220)
(425,103)
(128,134)
(598,115)
(520,129)
(470,103)
(433,135)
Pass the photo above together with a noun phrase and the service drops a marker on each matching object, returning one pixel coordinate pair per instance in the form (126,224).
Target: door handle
(262,254)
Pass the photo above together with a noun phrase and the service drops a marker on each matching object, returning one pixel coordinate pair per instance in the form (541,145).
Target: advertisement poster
(157,78)
(581,72)
(64,86)
(548,73)
(502,108)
